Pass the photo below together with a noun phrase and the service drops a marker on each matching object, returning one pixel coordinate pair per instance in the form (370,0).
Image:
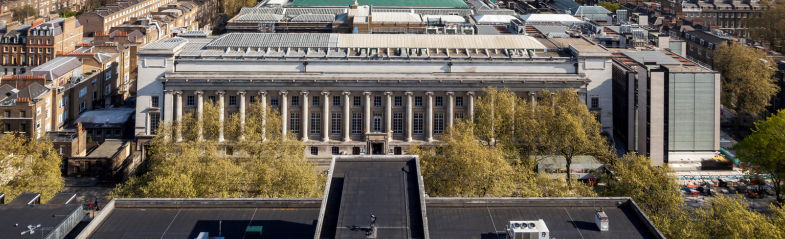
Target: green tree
(610,6)
(29,166)
(24,12)
(256,160)
(573,130)
(232,7)
(729,217)
(66,12)
(464,166)
(765,148)
(747,79)
(655,191)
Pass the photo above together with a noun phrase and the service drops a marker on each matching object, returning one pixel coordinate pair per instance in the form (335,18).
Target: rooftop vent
(601,219)
(527,230)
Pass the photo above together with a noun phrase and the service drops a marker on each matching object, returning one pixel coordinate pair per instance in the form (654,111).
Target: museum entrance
(376,143)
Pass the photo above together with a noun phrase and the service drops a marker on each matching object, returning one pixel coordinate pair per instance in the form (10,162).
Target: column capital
(346,93)
(220,92)
(532,93)
(429,93)
(241,92)
(367,93)
(408,93)
(304,93)
(450,93)
(388,93)
(325,93)
(262,92)
(284,93)
(178,92)
(470,93)
(167,91)
(199,92)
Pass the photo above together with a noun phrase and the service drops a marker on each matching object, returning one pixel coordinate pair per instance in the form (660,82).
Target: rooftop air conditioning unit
(528,230)
(601,219)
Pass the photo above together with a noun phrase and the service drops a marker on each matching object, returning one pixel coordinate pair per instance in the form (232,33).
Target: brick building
(26,110)
(27,46)
(42,7)
(112,15)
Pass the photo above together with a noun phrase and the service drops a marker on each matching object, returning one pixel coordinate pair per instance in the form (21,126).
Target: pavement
(87,190)
(760,205)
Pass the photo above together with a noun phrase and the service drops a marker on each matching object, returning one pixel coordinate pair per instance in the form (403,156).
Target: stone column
(450,108)
(409,116)
(429,116)
(388,116)
(347,117)
(221,115)
(179,114)
(284,113)
(241,93)
(200,111)
(533,99)
(304,117)
(168,106)
(263,101)
(367,112)
(470,107)
(326,116)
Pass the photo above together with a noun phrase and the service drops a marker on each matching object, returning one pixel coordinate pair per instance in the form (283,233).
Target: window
(357,119)
(335,151)
(108,75)
(22,128)
(95,95)
(335,123)
(252,99)
(154,119)
(314,150)
(398,101)
(232,100)
(316,120)
(23,114)
(94,81)
(47,112)
(126,78)
(189,100)
(82,106)
(418,101)
(691,48)
(459,116)
(82,92)
(295,100)
(595,102)
(708,55)
(154,101)
(38,111)
(377,122)
(438,123)
(294,123)
(211,99)
(108,90)
(417,123)
(377,101)
(315,101)
(458,101)
(397,126)
(125,64)
(357,101)
(274,100)
(8,114)
(438,101)
(336,101)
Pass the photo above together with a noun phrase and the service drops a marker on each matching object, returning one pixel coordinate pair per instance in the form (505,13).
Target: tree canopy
(609,5)
(29,166)
(498,152)
(24,12)
(747,78)
(256,160)
(765,148)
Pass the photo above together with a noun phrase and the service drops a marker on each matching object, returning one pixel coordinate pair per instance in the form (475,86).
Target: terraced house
(28,46)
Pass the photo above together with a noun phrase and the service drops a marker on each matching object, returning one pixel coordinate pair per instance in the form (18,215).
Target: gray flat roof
(651,56)
(229,218)
(564,217)
(106,116)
